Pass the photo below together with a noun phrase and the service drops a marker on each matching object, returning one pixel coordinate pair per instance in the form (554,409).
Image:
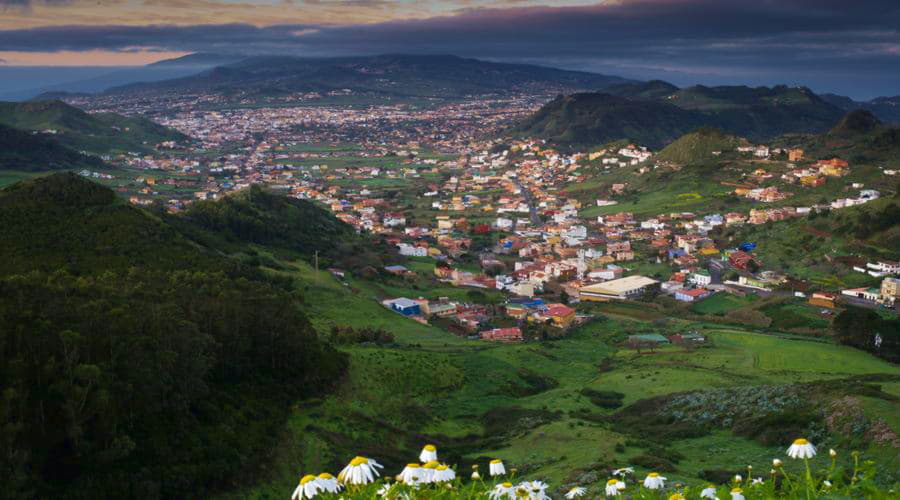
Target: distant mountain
(400,75)
(98,133)
(886,109)
(859,137)
(160,70)
(34,152)
(654,115)
(699,145)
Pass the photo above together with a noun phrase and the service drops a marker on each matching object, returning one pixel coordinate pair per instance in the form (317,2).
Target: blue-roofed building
(406,307)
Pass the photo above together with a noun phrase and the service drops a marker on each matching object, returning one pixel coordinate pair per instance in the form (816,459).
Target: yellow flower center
(431,465)
(653,474)
(677,496)
(325,475)
(801,442)
(737,490)
(359,461)
(412,466)
(612,482)
(442,467)
(507,485)
(430,447)
(496,461)
(307,478)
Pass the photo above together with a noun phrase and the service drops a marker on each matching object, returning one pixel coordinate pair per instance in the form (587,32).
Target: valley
(626,275)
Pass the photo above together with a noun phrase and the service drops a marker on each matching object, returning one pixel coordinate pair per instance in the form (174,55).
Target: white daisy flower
(708,492)
(757,480)
(496,467)
(737,494)
(387,492)
(738,478)
(308,488)
(360,470)
(801,449)
(614,487)
(577,491)
(502,491)
(411,474)
(534,490)
(654,481)
(443,474)
(776,462)
(475,476)
(329,483)
(429,453)
(428,471)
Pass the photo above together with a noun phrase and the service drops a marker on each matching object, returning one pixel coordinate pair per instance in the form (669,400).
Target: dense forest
(28,152)
(135,362)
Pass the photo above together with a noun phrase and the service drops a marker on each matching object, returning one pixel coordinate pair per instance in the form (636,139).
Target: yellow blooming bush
(856,481)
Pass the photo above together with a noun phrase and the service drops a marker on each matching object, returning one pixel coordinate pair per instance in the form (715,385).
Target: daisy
(623,471)
(360,470)
(654,481)
(535,490)
(496,467)
(442,474)
(502,491)
(757,480)
(429,453)
(832,453)
(428,471)
(329,483)
(476,476)
(577,491)
(738,478)
(308,488)
(776,462)
(801,449)
(411,474)
(737,494)
(614,487)
(676,496)
(708,492)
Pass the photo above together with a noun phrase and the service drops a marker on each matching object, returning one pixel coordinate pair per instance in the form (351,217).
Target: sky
(842,46)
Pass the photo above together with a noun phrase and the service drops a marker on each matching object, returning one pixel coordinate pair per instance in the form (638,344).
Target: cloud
(798,41)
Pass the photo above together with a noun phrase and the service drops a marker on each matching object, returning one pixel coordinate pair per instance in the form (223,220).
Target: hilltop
(98,133)
(187,361)
(699,145)
(397,75)
(598,118)
(887,109)
(657,113)
(30,152)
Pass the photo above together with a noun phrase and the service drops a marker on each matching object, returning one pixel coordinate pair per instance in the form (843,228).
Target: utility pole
(317,268)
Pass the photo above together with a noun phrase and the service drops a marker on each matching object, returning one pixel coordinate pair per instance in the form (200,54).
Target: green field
(395,398)
(721,303)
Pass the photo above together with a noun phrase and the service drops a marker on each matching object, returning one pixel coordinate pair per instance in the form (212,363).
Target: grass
(396,398)
(722,303)
(8,177)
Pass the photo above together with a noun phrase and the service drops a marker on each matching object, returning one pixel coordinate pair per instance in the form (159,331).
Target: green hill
(98,133)
(699,145)
(135,362)
(29,152)
(859,137)
(596,118)
(655,114)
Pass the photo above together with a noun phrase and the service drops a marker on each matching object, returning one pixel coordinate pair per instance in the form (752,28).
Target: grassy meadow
(531,404)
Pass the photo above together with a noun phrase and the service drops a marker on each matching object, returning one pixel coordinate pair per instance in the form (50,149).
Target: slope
(99,133)
(136,363)
(29,152)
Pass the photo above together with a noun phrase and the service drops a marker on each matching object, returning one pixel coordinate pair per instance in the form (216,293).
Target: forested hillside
(28,152)
(135,362)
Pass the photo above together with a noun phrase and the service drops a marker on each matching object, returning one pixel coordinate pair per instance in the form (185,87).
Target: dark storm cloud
(799,41)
